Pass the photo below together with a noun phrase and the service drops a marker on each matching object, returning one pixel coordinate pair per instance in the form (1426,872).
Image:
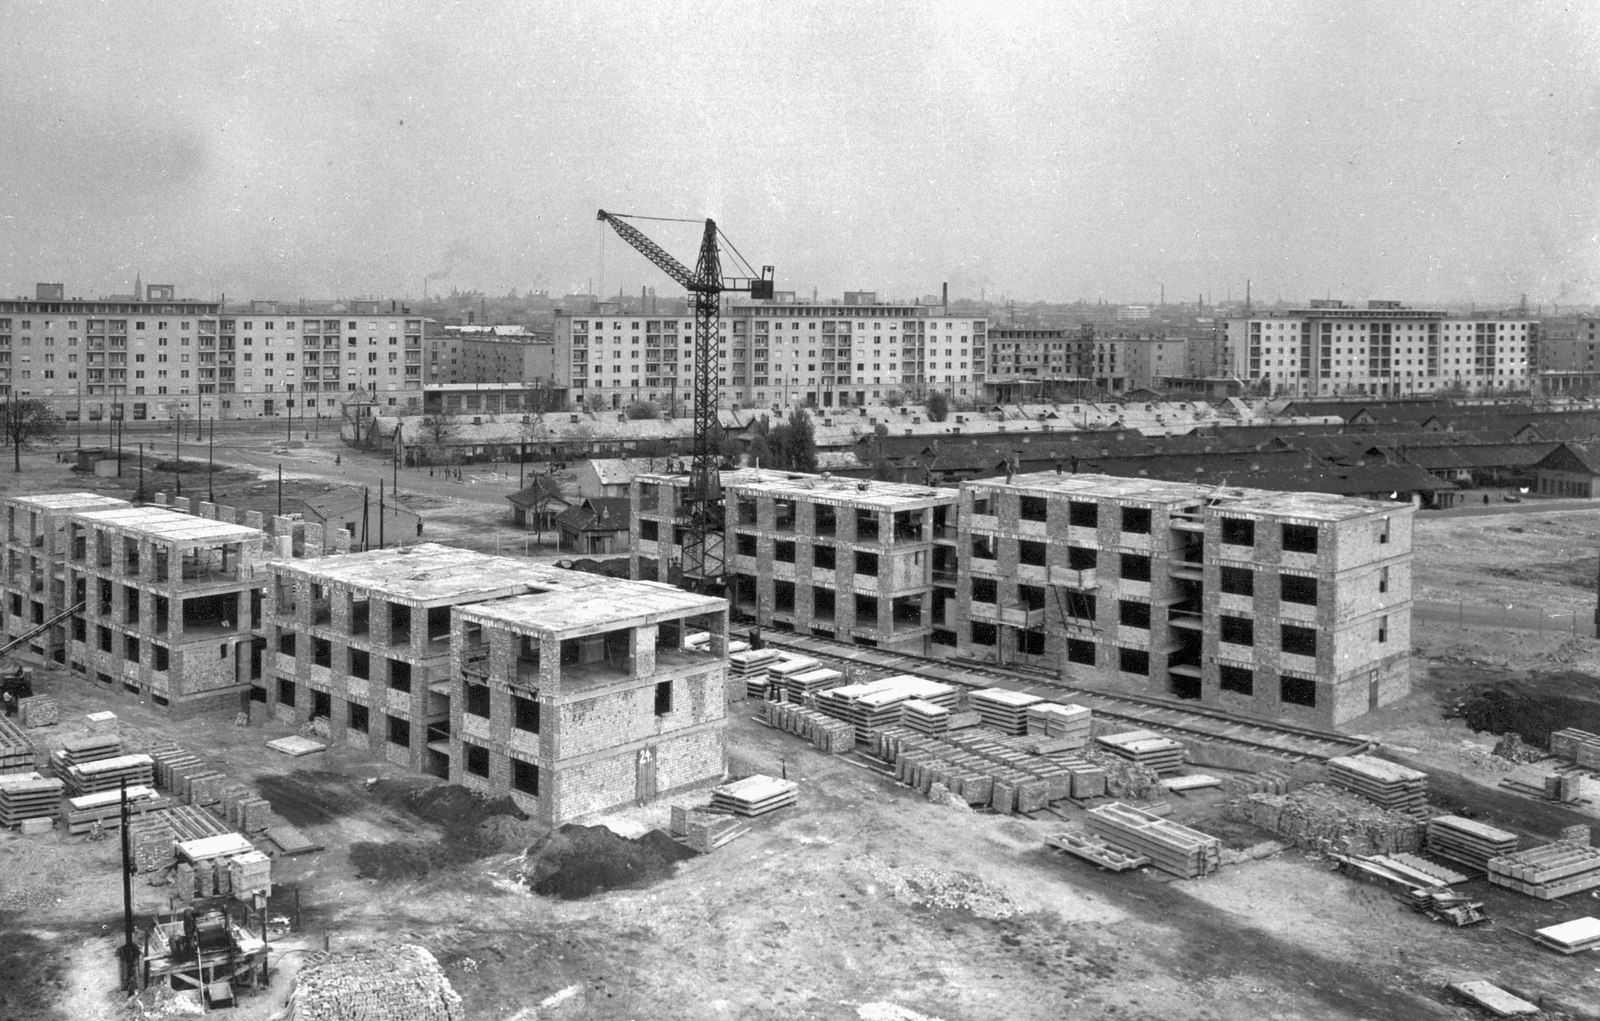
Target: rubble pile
(1327,819)
(1125,778)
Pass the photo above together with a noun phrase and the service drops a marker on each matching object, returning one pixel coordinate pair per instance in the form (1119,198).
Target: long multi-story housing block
(1385,349)
(1271,605)
(783,351)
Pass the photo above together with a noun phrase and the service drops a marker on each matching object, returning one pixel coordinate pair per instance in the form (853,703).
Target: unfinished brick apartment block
(1266,604)
(170,603)
(361,642)
(33,584)
(581,697)
(841,558)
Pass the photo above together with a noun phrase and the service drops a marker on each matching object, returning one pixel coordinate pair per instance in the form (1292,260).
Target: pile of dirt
(577,861)
(1524,709)
(457,809)
(617,568)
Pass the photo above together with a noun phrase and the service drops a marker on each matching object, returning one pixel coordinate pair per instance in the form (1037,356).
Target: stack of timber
(1095,849)
(755,795)
(1002,709)
(1171,847)
(1383,783)
(1578,746)
(1554,870)
(28,796)
(1570,937)
(1145,747)
(823,731)
(1325,818)
(83,814)
(38,711)
(925,717)
(109,774)
(16,749)
(1067,722)
(749,669)
(787,664)
(1467,842)
(78,751)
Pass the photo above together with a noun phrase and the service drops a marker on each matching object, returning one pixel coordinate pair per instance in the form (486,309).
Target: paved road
(1473,615)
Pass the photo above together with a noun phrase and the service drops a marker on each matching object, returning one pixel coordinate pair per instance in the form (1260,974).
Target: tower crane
(703,556)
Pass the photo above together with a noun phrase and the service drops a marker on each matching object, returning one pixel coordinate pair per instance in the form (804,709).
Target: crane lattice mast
(704,560)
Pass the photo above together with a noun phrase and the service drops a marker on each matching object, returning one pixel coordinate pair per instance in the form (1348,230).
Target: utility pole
(211,463)
(280,489)
(130,968)
(177,465)
(380,514)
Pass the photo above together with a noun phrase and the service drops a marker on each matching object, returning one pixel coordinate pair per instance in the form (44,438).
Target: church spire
(138,287)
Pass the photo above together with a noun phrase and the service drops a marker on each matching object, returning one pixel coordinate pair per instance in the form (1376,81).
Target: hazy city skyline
(1430,153)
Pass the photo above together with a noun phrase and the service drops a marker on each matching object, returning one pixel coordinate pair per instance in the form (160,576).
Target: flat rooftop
(1310,506)
(607,604)
(163,525)
(60,502)
(827,489)
(431,573)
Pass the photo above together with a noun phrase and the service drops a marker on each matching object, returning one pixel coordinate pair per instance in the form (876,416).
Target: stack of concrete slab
(864,707)
(785,665)
(824,732)
(1067,722)
(1171,847)
(38,711)
(16,749)
(109,774)
(755,795)
(925,717)
(979,766)
(81,750)
(747,672)
(1578,746)
(26,796)
(1095,849)
(1571,937)
(1145,747)
(83,814)
(912,686)
(1467,842)
(1002,709)
(1554,870)
(1492,998)
(1268,782)
(800,686)
(1385,784)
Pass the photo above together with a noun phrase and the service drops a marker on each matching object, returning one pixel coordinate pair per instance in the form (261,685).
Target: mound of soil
(577,861)
(1533,709)
(452,806)
(388,861)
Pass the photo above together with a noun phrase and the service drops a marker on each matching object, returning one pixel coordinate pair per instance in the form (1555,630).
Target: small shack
(598,525)
(537,506)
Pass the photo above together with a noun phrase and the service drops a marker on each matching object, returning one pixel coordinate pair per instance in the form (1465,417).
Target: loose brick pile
(1326,818)
(401,983)
(38,711)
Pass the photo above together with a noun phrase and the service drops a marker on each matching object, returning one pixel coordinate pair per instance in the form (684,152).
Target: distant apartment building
(1026,352)
(784,351)
(1272,605)
(1385,349)
(490,354)
(1567,358)
(1153,359)
(152,356)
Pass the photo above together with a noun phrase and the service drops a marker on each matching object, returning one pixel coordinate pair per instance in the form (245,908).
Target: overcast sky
(1426,152)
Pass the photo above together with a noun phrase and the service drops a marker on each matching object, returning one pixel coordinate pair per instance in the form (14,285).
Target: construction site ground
(866,900)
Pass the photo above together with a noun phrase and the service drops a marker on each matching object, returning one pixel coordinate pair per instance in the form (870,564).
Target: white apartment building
(151,356)
(782,351)
(1385,349)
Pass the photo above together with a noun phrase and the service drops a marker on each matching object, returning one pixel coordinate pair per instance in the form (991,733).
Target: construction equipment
(703,556)
(39,629)
(16,680)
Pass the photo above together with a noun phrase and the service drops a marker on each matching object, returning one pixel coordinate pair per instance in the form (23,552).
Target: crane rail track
(1282,740)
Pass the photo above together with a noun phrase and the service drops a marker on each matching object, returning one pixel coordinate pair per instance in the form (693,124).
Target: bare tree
(437,432)
(26,421)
